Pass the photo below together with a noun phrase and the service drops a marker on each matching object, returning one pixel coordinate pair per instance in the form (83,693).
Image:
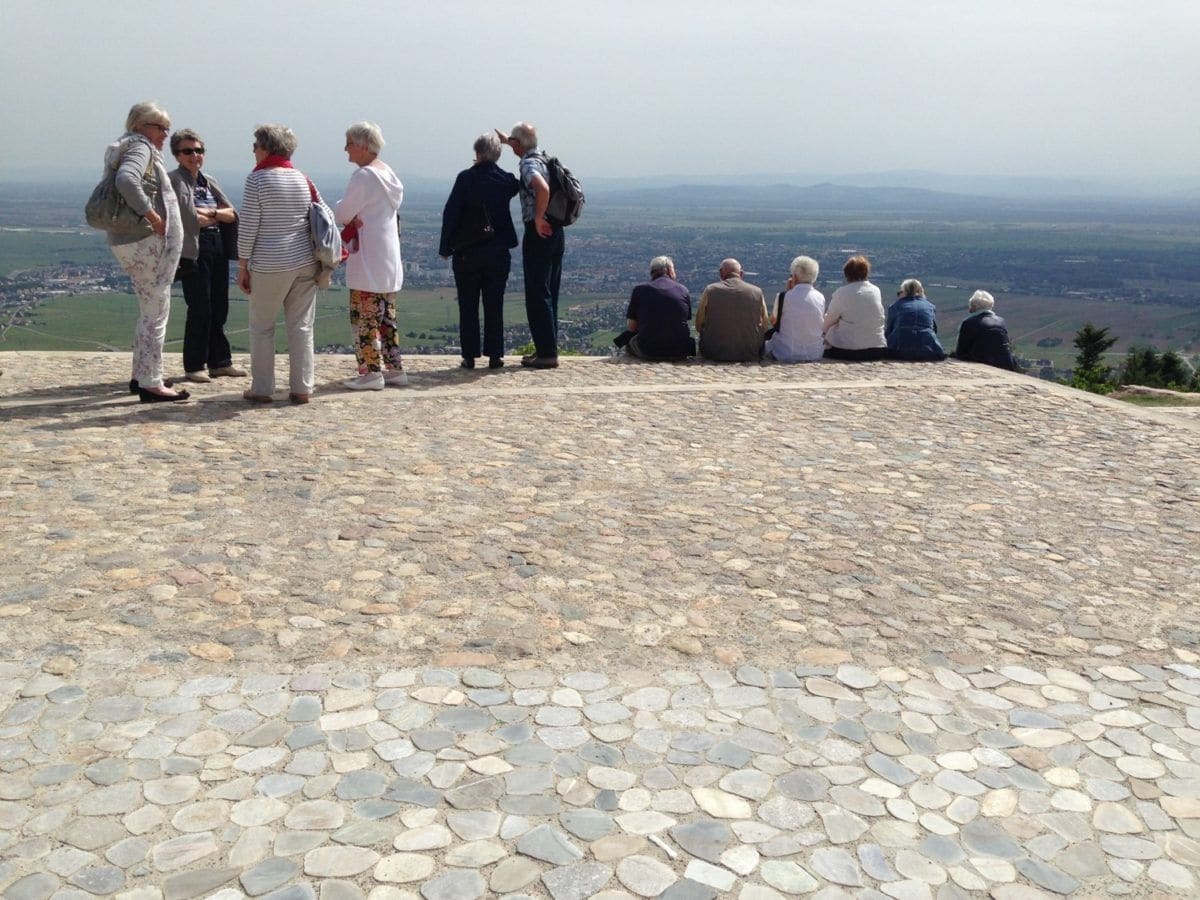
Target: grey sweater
(133,157)
(184,185)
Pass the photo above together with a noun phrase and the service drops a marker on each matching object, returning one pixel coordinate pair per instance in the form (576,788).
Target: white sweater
(373,194)
(854,320)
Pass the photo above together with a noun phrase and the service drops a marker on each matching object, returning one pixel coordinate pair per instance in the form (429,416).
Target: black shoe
(540,362)
(467,363)
(133,386)
(495,362)
(150,397)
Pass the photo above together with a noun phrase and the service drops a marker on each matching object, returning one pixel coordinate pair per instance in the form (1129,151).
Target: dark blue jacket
(911,331)
(983,338)
(487,184)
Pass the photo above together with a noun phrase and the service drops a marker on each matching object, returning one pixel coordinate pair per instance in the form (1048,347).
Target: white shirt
(373,194)
(799,337)
(855,317)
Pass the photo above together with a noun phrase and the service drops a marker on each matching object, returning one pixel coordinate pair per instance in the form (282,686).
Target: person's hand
(544,228)
(791,282)
(243,280)
(206,219)
(157,222)
(357,222)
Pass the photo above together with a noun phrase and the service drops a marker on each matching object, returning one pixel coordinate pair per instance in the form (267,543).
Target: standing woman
(477,229)
(374,271)
(150,260)
(203,207)
(278,267)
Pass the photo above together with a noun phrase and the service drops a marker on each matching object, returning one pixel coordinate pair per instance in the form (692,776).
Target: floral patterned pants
(150,264)
(377,340)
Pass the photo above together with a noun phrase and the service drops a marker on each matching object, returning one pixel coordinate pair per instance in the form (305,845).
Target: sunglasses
(192,151)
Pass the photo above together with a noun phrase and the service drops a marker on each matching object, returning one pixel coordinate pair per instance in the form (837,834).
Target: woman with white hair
(150,257)
(478,233)
(799,316)
(374,270)
(278,266)
(983,337)
(911,326)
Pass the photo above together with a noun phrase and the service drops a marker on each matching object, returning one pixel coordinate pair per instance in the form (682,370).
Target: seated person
(797,335)
(657,317)
(911,327)
(854,320)
(982,336)
(732,317)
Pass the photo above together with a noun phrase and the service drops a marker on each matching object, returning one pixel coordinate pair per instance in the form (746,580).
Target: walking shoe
(467,363)
(496,362)
(299,399)
(540,362)
(255,398)
(371,381)
(133,386)
(229,371)
(199,376)
(527,357)
(395,377)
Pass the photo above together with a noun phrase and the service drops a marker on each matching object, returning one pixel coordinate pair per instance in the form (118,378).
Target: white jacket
(373,194)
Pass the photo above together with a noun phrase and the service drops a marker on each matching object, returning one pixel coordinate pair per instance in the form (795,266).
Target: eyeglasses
(165,129)
(192,151)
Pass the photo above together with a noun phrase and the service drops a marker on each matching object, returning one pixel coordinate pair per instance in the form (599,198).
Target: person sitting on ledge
(911,327)
(656,326)
(732,317)
(982,336)
(854,320)
(797,335)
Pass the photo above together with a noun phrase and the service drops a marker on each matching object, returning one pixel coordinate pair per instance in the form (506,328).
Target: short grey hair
(730,266)
(365,134)
(910,287)
(277,140)
(661,265)
(184,134)
(487,147)
(525,135)
(148,112)
(805,269)
(981,300)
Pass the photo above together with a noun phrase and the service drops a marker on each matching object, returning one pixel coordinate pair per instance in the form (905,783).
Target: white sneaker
(395,377)
(199,377)
(371,381)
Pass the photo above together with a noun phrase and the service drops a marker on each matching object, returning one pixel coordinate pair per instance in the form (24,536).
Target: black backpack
(566,193)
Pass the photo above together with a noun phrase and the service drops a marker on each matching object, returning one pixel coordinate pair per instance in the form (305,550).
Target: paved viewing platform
(614,630)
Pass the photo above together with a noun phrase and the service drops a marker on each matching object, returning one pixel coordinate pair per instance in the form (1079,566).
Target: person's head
(662,265)
(523,138)
(730,268)
(364,140)
(149,120)
(487,147)
(274,140)
(857,268)
(981,300)
(910,287)
(188,149)
(805,269)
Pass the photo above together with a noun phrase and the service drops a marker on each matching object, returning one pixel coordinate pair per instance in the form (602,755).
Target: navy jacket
(485,183)
(983,338)
(911,330)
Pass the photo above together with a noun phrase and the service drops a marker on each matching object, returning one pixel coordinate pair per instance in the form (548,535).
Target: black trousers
(542,258)
(206,293)
(481,274)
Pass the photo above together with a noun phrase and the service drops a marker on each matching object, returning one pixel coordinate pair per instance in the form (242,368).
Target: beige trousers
(295,292)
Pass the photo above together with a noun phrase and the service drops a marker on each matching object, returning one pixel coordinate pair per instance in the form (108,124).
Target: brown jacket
(732,320)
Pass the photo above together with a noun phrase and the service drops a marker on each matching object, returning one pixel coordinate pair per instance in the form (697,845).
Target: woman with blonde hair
(148,257)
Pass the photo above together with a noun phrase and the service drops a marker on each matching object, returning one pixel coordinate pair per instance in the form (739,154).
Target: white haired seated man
(983,337)
(656,320)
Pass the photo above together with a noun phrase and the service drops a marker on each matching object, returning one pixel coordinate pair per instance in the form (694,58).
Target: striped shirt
(273,229)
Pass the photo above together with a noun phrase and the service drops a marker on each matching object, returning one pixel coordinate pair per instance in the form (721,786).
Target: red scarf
(274,162)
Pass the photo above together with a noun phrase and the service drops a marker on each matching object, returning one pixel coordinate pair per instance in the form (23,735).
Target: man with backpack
(541,248)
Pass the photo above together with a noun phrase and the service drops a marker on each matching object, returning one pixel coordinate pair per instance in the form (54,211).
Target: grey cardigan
(132,158)
(184,184)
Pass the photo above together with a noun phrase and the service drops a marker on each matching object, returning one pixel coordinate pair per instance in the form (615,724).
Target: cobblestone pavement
(614,630)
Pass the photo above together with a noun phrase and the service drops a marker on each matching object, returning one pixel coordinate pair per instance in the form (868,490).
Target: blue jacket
(484,184)
(911,331)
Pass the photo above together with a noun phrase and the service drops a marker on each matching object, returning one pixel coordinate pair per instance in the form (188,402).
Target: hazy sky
(1059,88)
